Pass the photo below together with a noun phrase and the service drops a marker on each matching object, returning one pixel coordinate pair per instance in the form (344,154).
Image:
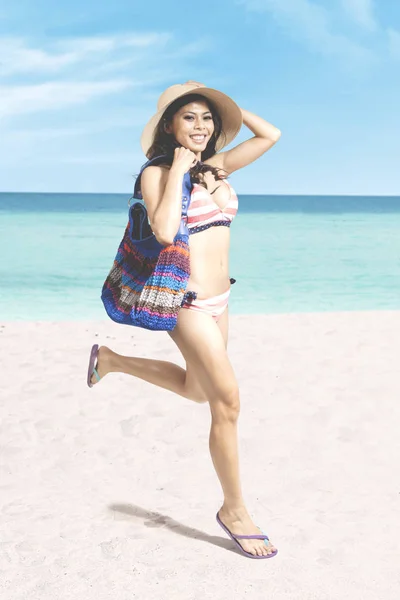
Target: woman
(189,129)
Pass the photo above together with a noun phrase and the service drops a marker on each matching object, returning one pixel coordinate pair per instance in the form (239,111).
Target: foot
(103,364)
(239,523)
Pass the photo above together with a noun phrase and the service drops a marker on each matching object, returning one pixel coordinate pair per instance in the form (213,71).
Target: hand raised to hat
(197,84)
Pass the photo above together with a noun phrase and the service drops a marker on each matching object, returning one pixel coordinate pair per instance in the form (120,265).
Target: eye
(191,117)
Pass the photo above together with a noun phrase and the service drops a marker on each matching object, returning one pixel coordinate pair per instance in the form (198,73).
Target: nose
(199,123)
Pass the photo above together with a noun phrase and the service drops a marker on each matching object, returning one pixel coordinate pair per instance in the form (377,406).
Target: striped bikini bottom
(213,306)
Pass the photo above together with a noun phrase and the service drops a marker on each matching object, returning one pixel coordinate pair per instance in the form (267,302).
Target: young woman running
(192,125)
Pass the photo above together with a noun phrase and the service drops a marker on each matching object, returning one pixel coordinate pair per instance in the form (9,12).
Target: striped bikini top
(203,212)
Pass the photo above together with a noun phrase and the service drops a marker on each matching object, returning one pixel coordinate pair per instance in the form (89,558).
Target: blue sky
(79,80)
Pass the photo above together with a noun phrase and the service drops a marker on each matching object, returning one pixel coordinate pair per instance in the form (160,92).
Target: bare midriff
(209,262)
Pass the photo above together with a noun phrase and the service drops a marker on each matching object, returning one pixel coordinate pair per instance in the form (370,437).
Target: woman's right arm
(162,194)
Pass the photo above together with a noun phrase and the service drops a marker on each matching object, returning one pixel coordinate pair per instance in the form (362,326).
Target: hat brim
(229,111)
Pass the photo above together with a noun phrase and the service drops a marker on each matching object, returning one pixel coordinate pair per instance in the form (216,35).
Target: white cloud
(96,44)
(16,57)
(312,23)
(74,71)
(22,99)
(362,12)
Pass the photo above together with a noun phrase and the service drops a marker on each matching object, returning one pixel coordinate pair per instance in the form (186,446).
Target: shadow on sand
(155,519)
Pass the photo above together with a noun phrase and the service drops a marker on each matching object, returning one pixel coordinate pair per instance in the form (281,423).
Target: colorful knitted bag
(147,281)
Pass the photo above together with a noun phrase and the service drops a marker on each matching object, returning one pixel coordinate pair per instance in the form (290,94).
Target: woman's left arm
(265,136)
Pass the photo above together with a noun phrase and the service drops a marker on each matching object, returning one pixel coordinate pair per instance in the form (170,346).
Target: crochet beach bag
(147,282)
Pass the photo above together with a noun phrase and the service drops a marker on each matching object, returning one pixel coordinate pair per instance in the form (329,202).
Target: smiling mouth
(198,139)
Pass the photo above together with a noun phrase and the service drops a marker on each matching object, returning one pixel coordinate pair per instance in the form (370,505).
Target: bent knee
(226,406)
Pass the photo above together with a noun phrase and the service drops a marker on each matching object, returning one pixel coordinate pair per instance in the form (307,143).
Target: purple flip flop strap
(92,361)
(254,536)
(250,537)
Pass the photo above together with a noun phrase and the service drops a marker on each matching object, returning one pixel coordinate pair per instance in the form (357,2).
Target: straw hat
(229,111)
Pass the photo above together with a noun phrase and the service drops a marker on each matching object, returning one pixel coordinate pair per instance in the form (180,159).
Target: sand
(110,492)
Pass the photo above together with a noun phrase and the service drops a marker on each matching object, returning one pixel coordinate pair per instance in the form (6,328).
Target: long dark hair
(165,143)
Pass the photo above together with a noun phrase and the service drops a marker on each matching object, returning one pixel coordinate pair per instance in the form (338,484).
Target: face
(192,120)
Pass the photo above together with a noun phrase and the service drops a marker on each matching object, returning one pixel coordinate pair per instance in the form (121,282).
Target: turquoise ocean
(288,254)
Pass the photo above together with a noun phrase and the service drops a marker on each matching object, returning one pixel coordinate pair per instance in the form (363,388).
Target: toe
(252,549)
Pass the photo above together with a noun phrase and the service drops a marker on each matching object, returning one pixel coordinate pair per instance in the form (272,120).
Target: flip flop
(92,361)
(235,538)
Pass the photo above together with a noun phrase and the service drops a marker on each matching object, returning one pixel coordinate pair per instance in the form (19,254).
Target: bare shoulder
(154,174)
(157,169)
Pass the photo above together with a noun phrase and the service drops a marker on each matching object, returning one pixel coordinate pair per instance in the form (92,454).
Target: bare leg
(201,342)
(162,373)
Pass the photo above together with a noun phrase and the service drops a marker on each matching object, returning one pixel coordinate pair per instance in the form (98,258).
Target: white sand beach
(110,493)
